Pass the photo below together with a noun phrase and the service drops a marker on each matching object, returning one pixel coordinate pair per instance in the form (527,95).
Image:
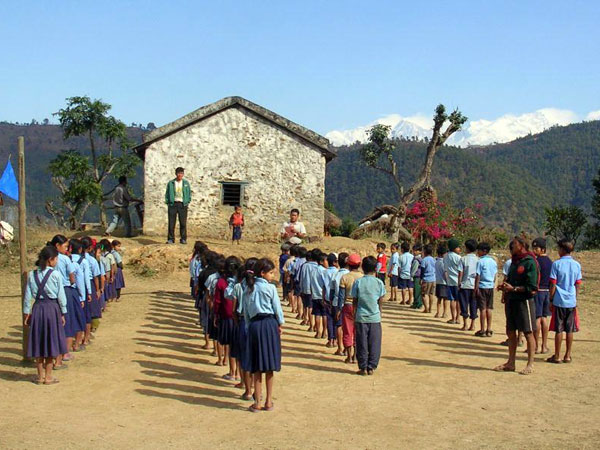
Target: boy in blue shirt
(485,280)
(466,276)
(542,298)
(428,278)
(367,294)
(451,263)
(304,279)
(406,284)
(393,272)
(317,293)
(565,279)
(441,290)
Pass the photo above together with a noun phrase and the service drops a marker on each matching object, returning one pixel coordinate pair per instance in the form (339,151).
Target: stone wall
(282,170)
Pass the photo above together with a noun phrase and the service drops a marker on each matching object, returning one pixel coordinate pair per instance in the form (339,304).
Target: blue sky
(327,64)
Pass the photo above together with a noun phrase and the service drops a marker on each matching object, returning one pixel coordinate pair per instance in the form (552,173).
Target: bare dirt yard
(145,382)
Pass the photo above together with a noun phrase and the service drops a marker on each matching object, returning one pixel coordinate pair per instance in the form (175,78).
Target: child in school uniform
(467,271)
(485,281)
(241,350)
(345,297)
(283,257)
(94,310)
(223,305)
(565,280)
(202,293)
(236,224)
(367,293)
(542,298)
(295,272)
(110,267)
(451,269)
(394,272)
(288,284)
(82,287)
(66,269)
(264,319)
(305,287)
(44,309)
(415,274)
(381,262)
(338,302)
(317,292)
(428,278)
(441,290)
(213,329)
(119,277)
(328,277)
(196,267)
(406,284)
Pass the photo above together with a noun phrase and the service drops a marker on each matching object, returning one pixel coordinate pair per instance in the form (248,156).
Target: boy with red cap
(347,313)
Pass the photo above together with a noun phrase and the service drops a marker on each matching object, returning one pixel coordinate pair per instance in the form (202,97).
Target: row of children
(75,281)
(240,312)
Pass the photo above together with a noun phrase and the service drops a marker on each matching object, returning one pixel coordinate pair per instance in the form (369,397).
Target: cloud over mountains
(476,132)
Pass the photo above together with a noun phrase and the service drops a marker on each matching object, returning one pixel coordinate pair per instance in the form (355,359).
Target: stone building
(236,152)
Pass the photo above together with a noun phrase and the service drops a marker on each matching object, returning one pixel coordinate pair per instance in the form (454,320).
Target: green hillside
(513,182)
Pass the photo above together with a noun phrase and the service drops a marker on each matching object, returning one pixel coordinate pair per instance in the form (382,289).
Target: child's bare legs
(219,352)
(455,310)
(69,345)
(482,319)
(488,316)
(79,339)
(570,337)
(541,335)
(232,362)
(558,337)
(340,337)
(87,334)
(257,379)
(324,329)
(41,370)
(438,307)
(269,381)
(530,353)
(59,361)
(318,323)
(310,319)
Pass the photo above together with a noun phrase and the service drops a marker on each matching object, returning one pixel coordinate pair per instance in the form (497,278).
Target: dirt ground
(145,382)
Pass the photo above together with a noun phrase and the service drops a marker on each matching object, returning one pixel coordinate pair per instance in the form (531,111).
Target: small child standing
(428,278)
(406,283)
(441,290)
(367,293)
(485,280)
(345,293)
(285,255)
(338,301)
(330,317)
(119,278)
(236,224)
(415,274)
(565,279)
(46,318)
(542,298)
(381,262)
(264,319)
(466,275)
(393,272)
(451,269)
(318,292)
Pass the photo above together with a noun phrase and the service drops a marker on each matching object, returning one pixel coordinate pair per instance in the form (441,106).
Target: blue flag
(8,182)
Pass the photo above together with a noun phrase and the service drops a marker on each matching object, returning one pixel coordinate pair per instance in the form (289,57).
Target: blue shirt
(263,299)
(65,268)
(439,271)
(297,268)
(506,267)
(328,277)
(211,282)
(487,270)
(394,264)
(54,289)
(306,276)
(565,274)
(238,294)
(451,266)
(117,255)
(84,268)
(317,283)
(468,267)
(195,267)
(406,260)
(337,299)
(94,266)
(428,269)
(367,291)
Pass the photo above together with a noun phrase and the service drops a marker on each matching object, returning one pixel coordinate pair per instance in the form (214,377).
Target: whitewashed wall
(283,172)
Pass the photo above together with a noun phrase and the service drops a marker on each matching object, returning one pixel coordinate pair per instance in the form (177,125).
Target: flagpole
(22,235)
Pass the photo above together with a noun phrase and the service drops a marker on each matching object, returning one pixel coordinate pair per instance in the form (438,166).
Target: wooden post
(22,234)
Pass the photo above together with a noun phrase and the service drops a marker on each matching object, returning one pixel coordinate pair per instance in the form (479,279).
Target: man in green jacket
(178,197)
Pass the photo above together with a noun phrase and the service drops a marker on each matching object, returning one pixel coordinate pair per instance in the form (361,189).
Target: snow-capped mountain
(475,132)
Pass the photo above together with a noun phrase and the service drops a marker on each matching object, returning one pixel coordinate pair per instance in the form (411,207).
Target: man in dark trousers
(121,200)
(178,197)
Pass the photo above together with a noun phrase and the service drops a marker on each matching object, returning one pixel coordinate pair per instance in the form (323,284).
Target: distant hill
(513,182)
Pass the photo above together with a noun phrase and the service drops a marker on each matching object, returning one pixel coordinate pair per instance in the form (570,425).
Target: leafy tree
(71,175)
(567,222)
(85,117)
(592,232)
(378,154)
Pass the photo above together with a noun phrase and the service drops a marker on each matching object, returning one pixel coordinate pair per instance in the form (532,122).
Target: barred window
(232,193)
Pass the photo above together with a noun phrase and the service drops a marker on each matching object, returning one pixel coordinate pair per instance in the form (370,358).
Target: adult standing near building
(121,201)
(178,197)
(293,231)
(519,289)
